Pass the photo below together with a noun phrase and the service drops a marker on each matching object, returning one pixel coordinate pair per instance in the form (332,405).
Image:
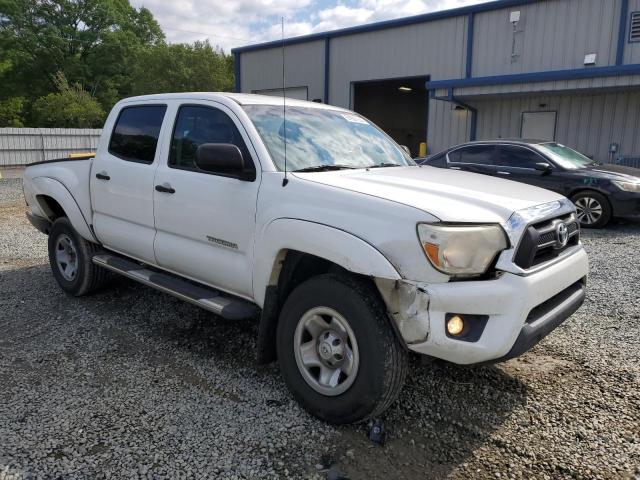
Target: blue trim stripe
(327,63)
(236,72)
(400,22)
(592,72)
(622,31)
(470,21)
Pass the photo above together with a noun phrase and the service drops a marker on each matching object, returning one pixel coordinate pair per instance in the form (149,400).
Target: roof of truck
(240,98)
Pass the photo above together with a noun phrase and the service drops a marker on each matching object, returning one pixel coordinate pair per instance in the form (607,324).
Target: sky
(234,23)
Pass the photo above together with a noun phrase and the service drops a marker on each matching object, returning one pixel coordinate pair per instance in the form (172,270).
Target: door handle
(165,188)
(103,176)
(502,172)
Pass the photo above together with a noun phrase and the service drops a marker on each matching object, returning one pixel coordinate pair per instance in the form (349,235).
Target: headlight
(462,250)
(628,186)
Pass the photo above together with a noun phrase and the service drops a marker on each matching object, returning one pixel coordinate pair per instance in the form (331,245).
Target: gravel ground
(131,383)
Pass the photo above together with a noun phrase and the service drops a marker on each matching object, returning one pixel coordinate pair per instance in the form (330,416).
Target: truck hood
(450,195)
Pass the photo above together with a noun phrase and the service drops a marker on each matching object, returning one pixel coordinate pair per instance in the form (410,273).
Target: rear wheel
(70,259)
(593,209)
(337,351)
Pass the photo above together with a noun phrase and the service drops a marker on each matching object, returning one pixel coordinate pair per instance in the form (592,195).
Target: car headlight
(461,250)
(628,186)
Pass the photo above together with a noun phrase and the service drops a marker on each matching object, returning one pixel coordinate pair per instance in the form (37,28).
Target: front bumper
(521,310)
(625,205)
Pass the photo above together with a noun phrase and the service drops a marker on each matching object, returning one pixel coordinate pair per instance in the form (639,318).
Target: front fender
(340,247)
(56,190)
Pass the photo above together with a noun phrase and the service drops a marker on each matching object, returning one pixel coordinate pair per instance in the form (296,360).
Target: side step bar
(210,299)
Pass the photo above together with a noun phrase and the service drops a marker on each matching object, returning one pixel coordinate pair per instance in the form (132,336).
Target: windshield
(565,157)
(318,138)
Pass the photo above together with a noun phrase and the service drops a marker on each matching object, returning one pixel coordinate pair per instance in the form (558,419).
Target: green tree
(105,48)
(11,112)
(93,42)
(182,68)
(71,107)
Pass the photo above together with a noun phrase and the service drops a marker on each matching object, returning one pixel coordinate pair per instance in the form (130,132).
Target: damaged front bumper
(514,311)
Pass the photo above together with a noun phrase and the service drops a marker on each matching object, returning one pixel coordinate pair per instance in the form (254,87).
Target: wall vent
(634,30)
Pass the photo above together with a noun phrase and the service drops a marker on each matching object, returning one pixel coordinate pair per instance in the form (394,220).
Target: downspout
(473,128)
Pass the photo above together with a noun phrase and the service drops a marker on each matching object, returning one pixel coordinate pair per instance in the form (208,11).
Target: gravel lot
(133,383)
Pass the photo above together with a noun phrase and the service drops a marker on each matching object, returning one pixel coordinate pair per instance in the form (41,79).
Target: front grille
(541,241)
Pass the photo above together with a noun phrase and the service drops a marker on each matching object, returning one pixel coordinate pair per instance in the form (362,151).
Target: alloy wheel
(326,351)
(66,257)
(589,210)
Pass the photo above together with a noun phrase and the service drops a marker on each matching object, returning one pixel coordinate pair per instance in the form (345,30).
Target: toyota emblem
(562,235)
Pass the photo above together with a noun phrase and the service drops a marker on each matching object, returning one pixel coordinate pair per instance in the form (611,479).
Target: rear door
(206,222)
(473,158)
(122,178)
(518,163)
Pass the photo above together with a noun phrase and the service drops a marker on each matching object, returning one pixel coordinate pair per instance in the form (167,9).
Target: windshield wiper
(383,165)
(324,168)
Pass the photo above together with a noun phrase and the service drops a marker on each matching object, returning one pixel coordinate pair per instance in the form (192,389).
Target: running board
(210,299)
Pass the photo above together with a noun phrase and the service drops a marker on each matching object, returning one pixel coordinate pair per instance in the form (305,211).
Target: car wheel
(70,259)
(594,210)
(337,351)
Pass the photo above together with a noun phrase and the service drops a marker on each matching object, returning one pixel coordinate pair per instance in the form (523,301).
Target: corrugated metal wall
(586,122)
(20,146)
(435,49)
(304,67)
(552,35)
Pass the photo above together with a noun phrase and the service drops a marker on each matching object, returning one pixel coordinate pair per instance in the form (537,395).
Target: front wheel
(337,351)
(70,259)
(594,211)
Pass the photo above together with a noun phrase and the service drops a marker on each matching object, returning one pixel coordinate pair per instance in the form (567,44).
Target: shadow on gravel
(443,415)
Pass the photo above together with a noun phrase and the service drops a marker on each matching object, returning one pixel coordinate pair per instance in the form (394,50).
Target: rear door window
(439,160)
(135,134)
(518,157)
(474,155)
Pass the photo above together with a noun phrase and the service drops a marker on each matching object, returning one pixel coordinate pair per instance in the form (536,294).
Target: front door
(205,222)
(518,163)
(122,182)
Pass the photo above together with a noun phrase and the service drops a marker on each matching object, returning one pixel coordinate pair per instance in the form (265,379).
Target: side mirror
(221,158)
(543,167)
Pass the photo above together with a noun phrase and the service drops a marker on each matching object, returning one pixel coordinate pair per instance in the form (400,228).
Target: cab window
(135,134)
(196,125)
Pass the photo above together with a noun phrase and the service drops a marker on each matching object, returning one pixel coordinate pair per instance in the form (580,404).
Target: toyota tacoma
(312,220)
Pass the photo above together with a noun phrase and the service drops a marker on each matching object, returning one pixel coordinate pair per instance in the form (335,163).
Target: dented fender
(408,305)
(340,247)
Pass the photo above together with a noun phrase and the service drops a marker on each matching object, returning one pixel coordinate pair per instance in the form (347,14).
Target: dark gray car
(599,191)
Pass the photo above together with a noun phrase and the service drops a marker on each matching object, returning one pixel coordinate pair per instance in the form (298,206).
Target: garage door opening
(398,106)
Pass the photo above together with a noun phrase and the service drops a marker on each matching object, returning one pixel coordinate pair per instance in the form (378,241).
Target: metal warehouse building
(564,70)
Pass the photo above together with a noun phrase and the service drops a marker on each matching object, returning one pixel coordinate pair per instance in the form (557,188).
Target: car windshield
(322,139)
(564,156)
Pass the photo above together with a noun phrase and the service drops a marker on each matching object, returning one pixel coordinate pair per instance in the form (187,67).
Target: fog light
(455,325)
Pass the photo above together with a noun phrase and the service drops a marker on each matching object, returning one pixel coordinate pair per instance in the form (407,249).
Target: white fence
(20,146)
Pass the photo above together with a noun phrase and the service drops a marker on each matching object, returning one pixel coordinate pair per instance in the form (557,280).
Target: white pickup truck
(321,226)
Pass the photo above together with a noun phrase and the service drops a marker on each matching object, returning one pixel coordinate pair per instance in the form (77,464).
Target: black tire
(594,207)
(88,277)
(383,362)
